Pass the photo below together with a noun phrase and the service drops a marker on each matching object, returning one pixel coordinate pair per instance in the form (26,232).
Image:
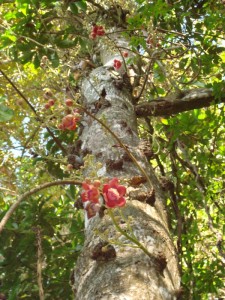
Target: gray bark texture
(125,271)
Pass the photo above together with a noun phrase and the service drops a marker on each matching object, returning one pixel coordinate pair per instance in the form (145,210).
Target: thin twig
(19,92)
(96,4)
(146,78)
(35,42)
(56,140)
(31,192)
(7,190)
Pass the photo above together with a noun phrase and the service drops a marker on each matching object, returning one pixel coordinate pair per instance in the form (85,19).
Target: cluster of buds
(97,31)
(70,121)
(49,96)
(50,103)
(112,192)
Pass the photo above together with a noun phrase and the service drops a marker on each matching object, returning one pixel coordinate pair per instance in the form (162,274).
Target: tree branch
(31,192)
(56,140)
(174,104)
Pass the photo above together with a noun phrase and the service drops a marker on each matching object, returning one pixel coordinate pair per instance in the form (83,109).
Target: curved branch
(31,192)
(174,104)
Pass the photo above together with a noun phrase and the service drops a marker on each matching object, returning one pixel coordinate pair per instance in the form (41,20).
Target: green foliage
(62,235)
(181,46)
(6,113)
(194,162)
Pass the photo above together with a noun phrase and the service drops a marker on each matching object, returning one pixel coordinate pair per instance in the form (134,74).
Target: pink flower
(114,193)
(117,64)
(69,122)
(91,192)
(125,54)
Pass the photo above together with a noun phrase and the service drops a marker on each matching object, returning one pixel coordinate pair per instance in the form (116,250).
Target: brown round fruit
(47,106)
(69,102)
(51,102)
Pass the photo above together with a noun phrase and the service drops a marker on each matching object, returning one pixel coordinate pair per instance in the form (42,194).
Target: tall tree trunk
(127,272)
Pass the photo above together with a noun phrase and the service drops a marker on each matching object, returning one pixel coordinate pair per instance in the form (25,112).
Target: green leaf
(54,58)
(36,61)
(6,113)
(27,57)
(164,121)
(82,5)
(11,37)
(202,115)
(2,98)
(50,144)
(5,41)
(24,8)
(66,43)
(72,190)
(74,8)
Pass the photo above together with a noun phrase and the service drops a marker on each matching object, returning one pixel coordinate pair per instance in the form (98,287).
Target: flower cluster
(117,64)
(113,194)
(70,121)
(97,31)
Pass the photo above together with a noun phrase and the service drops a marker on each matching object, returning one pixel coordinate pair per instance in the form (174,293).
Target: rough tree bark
(176,103)
(127,273)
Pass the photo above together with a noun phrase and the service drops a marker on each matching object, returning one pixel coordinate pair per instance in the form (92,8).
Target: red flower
(69,122)
(117,64)
(91,192)
(114,193)
(100,31)
(125,54)
(97,30)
